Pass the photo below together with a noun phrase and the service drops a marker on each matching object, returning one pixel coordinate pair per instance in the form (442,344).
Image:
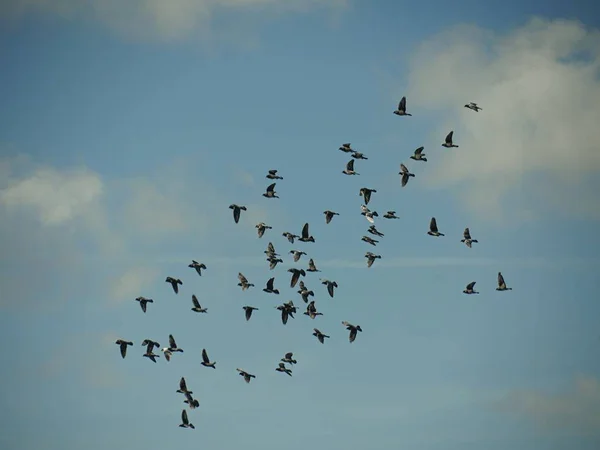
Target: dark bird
(433,228)
(296,276)
(123,346)
(247,376)
(470,288)
(191,401)
(198,266)
(273,262)
(502,284)
(358,155)
(365,193)
(248,311)
(369,240)
(473,106)
(375,231)
(185,423)
(290,236)
(143,301)
(401,111)
(287,310)
(297,254)
(371,257)
(272,175)
(346,148)
(468,241)
(330,286)
(175,282)
(288,358)
(271,191)
(305,292)
(311,266)
(319,335)
(349,170)
(261,228)
(183,387)
(353,330)
(197,308)
(270,251)
(306,237)
(311,310)
(269,288)
(405,174)
(448,142)
(244,284)
(205,361)
(150,344)
(173,345)
(419,155)
(282,368)
(236,211)
(329,215)
(390,215)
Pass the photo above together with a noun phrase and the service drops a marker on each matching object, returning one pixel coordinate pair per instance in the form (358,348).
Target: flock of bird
(288,309)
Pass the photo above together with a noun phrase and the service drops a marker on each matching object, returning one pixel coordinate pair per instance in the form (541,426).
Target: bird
(371,257)
(272,175)
(319,335)
(401,111)
(236,211)
(296,275)
(433,229)
(198,266)
(473,106)
(269,288)
(390,215)
(167,353)
(405,174)
(365,193)
(247,376)
(369,240)
(150,344)
(185,423)
(270,251)
(271,191)
(448,142)
(353,330)
(373,230)
(244,284)
(273,262)
(297,254)
(305,292)
(358,155)
(183,387)
(349,170)
(329,215)
(191,401)
(143,301)
(197,308)
(346,148)
(123,346)
(288,358)
(175,282)
(470,288)
(311,310)
(282,368)
(290,236)
(205,361)
(311,266)
(287,310)
(502,284)
(261,228)
(248,311)
(306,237)
(468,241)
(173,345)
(369,215)
(419,155)
(330,286)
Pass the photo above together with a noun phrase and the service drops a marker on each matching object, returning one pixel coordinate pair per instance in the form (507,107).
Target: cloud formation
(533,148)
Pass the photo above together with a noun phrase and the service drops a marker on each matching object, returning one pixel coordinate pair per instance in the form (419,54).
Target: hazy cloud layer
(534,147)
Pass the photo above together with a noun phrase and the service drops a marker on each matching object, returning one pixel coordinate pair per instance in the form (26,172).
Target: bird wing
(172,343)
(270,283)
(182,385)
(449,137)
(471,285)
(501,282)
(353,332)
(350,165)
(242,278)
(403,168)
(236,214)
(402,104)
(271,187)
(305,231)
(205,356)
(123,348)
(330,289)
(195,301)
(433,225)
(248,313)
(405,178)
(184,417)
(467,234)
(419,150)
(270,248)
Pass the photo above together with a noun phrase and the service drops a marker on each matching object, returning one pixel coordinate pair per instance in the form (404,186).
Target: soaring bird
(405,174)
(297,254)
(248,311)
(306,237)
(419,155)
(288,358)
(401,111)
(282,368)
(261,228)
(353,330)
(197,308)
(468,241)
(329,215)
(473,106)
(143,301)
(185,423)
(173,345)
(244,284)
(349,170)
(269,289)
(271,191)
(311,266)
(502,284)
(247,376)
(366,194)
(371,257)
(205,361)
(330,286)
(272,175)
(320,335)
(236,211)
(448,142)
(470,289)
(198,266)
(433,228)
(175,282)
(296,275)
(123,346)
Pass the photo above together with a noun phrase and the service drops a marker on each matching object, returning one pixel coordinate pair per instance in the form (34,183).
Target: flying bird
(270,251)
(433,228)
(311,310)
(329,215)
(273,262)
(205,361)
(353,330)
(468,241)
(282,368)
(123,346)
(236,211)
(349,170)
(473,106)
(319,335)
(197,308)
(330,286)
(470,289)
(150,344)
(191,401)
(365,193)
(247,376)
(401,111)
(311,266)
(183,387)
(502,284)
(269,288)
(185,423)
(143,301)
(346,148)
(448,142)
(288,358)
(306,237)
(296,276)
(371,257)
(305,292)
(358,155)
(297,254)
(248,311)
(272,175)
(198,266)
(173,345)
(175,283)
(373,230)
(167,352)
(271,191)
(419,155)
(405,174)
(261,228)
(244,284)
(290,236)
(390,215)
(369,240)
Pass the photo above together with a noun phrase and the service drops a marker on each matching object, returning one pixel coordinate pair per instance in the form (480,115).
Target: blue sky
(127,131)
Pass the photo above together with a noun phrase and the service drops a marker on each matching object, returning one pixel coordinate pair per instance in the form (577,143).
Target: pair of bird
(347,148)
(470,288)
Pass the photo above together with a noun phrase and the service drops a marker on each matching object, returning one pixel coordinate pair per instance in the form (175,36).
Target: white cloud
(131,284)
(534,147)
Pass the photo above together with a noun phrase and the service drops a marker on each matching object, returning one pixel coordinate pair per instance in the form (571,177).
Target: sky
(128,128)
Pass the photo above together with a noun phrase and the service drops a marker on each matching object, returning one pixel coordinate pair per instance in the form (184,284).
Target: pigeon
(167,352)
(198,266)
(419,155)
(272,175)
(270,251)
(297,254)
(369,240)
(311,310)
(305,292)
(197,308)
(375,231)
(353,330)
(287,310)
(271,191)
(296,276)
(329,215)
(433,229)
(143,301)
(236,211)
(390,215)
(366,194)
(346,148)
(246,375)
(191,401)
(319,335)
(306,237)
(401,111)
(349,170)
(330,286)
(470,288)
(273,262)
(205,361)
(282,368)
(358,155)
(183,387)
(123,346)
(175,282)
(405,174)
(371,257)
(502,284)
(185,423)
(269,288)
(311,266)
(244,282)
(288,358)
(261,228)
(150,344)
(248,311)
(473,106)
(173,345)
(448,142)
(468,241)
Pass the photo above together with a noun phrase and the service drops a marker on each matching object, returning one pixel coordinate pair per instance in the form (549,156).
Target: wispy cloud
(533,147)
